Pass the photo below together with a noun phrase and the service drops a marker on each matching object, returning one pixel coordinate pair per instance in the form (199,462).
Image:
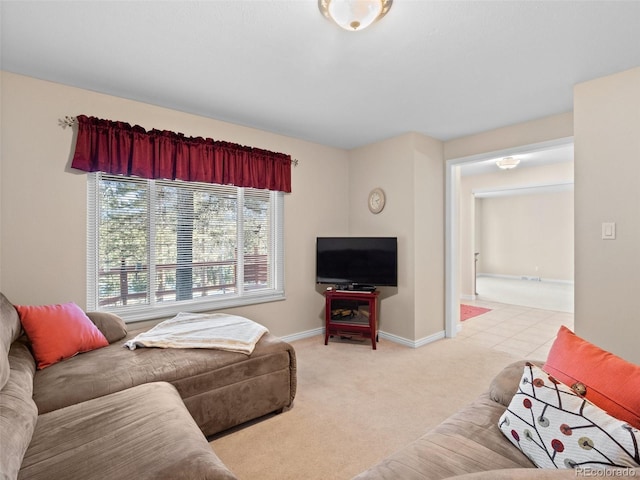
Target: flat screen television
(357,263)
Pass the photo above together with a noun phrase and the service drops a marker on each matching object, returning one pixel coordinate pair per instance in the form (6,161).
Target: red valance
(120,149)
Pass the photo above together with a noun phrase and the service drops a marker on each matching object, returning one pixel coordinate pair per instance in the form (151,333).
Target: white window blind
(158,247)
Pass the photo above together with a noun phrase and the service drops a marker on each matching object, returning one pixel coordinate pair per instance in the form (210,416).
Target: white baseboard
(411,343)
(306,334)
(525,277)
(387,336)
(553,280)
(464,296)
(500,275)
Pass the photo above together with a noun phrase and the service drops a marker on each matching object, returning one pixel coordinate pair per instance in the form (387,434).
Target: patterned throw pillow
(557,428)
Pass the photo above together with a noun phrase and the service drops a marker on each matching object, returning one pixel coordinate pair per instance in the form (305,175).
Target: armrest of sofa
(111,325)
(504,385)
(18,411)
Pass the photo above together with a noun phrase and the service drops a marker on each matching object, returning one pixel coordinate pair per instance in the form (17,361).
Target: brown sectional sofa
(470,446)
(113,413)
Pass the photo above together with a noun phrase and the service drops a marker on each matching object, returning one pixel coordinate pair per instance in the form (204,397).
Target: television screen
(354,261)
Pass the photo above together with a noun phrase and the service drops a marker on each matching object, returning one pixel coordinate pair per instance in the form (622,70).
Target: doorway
(542,153)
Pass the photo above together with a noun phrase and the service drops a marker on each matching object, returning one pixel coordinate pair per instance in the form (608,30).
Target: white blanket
(202,330)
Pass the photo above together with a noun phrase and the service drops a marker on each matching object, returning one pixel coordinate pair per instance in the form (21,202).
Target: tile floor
(522,331)
(524,317)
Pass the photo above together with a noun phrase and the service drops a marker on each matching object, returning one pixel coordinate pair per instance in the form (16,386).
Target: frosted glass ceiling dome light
(354,15)
(507,163)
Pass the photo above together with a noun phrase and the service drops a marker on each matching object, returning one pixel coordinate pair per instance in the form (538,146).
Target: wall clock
(376,200)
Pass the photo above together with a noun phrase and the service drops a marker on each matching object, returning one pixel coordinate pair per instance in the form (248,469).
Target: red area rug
(468,311)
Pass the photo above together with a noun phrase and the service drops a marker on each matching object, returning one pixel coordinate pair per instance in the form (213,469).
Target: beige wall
(43,224)
(387,165)
(410,170)
(429,261)
(528,133)
(604,125)
(470,229)
(607,189)
(43,202)
(527,235)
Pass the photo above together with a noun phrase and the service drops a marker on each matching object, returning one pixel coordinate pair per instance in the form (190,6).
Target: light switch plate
(608,231)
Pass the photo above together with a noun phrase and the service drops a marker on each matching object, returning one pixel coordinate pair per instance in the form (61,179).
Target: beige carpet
(355,406)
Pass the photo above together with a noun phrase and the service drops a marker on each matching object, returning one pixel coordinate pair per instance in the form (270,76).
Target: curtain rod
(69,121)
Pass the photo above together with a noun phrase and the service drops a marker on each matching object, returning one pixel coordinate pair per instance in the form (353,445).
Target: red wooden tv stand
(351,312)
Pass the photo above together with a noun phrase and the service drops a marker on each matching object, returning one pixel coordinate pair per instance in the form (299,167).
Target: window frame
(153,310)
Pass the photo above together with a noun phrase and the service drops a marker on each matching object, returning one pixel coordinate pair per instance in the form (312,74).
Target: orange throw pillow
(613,384)
(57,332)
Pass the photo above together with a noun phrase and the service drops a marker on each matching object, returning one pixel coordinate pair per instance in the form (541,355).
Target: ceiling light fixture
(507,163)
(354,15)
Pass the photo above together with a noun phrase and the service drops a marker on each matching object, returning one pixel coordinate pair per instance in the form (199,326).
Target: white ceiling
(442,68)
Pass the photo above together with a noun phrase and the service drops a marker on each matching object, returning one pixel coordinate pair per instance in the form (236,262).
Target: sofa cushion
(220,389)
(60,331)
(10,330)
(612,382)
(468,441)
(111,325)
(504,385)
(18,412)
(557,428)
(143,432)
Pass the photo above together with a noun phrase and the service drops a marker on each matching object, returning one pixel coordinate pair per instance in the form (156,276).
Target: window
(158,247)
